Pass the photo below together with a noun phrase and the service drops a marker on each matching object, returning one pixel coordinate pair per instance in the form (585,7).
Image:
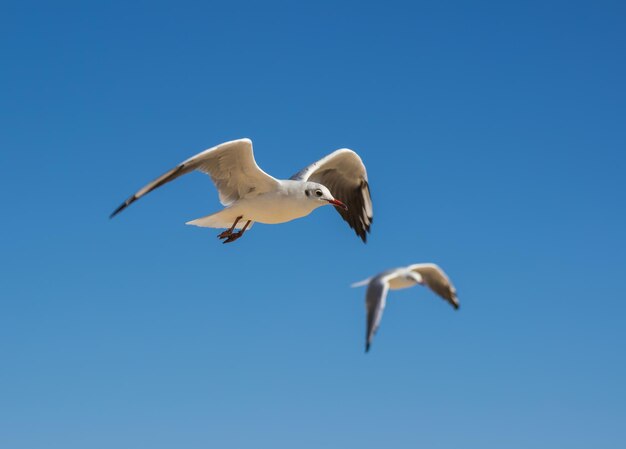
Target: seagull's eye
(318,193)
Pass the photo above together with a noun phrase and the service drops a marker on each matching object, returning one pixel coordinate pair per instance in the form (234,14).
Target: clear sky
(495,141)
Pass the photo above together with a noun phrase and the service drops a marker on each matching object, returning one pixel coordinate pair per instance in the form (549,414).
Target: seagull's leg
(236,235)
(228,232)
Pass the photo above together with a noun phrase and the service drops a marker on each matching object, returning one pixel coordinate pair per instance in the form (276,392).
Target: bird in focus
(250,195)
(427,274)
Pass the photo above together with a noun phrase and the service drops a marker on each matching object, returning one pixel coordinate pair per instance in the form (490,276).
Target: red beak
(338,203)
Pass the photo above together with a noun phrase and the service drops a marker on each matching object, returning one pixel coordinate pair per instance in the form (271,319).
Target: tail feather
(222,219)
(361,283)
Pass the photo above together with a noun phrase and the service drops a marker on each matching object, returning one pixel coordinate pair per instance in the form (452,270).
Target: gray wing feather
(344,174)
(375,300)
(230,165)
(437,280)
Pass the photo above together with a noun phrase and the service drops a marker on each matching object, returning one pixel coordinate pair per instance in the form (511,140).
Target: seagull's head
(320,194)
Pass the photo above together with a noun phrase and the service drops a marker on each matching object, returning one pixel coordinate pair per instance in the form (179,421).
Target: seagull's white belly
(401,282)
(274,208)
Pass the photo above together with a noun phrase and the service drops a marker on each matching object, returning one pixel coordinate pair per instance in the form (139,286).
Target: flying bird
(251,195)
(427,274)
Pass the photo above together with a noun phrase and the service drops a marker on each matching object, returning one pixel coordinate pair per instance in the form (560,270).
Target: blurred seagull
(249,194)
(427,274)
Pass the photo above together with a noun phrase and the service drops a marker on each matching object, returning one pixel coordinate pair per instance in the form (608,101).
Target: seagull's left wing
(230,165)
(344,174)
(375,300)
(437,280)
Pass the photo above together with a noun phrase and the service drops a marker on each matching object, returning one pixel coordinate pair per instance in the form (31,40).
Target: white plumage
(251,195)
(427,274)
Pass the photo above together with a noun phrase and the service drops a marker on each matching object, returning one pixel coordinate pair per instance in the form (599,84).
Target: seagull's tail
(222,219)
(361,283)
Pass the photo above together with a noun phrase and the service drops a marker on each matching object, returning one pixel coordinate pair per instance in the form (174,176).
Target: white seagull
(427,274)
(249,194)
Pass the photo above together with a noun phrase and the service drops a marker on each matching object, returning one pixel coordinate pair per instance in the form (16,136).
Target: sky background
(495,142)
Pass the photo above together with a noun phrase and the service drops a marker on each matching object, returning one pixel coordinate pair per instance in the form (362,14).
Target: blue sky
(494,138)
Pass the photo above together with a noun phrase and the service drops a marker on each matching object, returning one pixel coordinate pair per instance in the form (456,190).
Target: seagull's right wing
(437,280)
(344,174)
(230,165)
(375,300)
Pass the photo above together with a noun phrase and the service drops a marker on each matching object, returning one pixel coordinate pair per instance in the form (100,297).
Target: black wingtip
(117,211)
(367,347)
(364,232)
(123,206)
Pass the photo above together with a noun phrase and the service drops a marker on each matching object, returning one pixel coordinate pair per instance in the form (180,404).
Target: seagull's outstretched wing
(344,174)
(435,278)
(375,300)
(230,165)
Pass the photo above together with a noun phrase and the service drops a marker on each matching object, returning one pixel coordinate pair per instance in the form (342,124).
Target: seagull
(251,195)
(427,274)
